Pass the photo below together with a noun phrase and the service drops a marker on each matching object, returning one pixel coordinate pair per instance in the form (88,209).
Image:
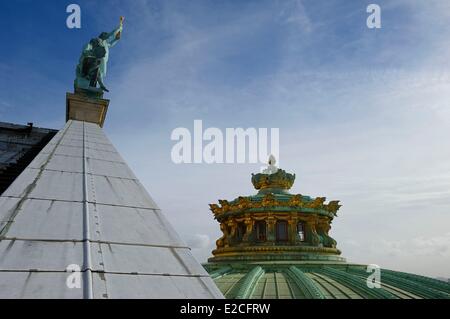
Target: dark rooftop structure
(19,145)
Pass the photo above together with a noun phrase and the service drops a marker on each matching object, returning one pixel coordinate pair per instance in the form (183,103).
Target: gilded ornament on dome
(280,179)
(296,200)
(243,202)
(225,205)
(268,201)
(215,209)
(317,203)
(333,206)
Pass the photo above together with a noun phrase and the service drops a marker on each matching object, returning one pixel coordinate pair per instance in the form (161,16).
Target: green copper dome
(277,245)
(297,280)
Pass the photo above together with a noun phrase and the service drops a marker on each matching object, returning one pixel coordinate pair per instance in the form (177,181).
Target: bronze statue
(92,66)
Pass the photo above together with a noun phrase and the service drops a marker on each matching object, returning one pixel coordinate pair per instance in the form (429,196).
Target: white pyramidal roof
(78,203)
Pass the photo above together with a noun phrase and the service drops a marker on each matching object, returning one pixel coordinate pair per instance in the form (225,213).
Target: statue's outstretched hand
(119,34)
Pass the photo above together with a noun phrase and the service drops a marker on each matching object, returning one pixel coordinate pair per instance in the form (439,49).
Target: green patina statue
(92,67)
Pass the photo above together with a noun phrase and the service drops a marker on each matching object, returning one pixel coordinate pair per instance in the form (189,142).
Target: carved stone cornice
(275,252)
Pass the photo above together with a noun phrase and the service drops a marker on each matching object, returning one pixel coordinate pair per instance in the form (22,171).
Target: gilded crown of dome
(280,179)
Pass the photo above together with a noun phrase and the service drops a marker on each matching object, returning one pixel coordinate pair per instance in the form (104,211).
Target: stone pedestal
(81,107)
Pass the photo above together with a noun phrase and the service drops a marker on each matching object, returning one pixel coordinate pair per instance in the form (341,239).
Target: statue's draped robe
(110,41)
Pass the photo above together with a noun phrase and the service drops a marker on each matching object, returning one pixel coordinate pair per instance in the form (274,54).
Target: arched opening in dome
(261,231)
(282,231)
(240,232)
(301,231)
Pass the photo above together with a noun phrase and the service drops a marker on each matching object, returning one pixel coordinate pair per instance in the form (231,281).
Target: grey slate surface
(79,203)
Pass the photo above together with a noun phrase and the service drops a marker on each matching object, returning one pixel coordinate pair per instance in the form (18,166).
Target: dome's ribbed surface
(320,281)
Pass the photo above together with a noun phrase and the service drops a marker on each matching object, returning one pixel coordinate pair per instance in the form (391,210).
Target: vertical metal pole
(88,294)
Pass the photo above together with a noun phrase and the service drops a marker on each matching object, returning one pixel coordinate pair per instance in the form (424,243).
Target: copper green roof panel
(229,284)
(249,283)
(356,283)
(300,280)
(399,279)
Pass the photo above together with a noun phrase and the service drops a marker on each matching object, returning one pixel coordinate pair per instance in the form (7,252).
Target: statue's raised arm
(92,67)
(113,37)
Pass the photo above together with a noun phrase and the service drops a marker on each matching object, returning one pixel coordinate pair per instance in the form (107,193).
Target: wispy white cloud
(293,12)
(428,255)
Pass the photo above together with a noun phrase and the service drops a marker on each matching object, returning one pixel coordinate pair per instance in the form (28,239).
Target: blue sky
(363,113)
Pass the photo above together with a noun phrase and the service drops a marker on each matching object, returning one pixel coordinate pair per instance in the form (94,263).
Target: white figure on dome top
(271,168)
